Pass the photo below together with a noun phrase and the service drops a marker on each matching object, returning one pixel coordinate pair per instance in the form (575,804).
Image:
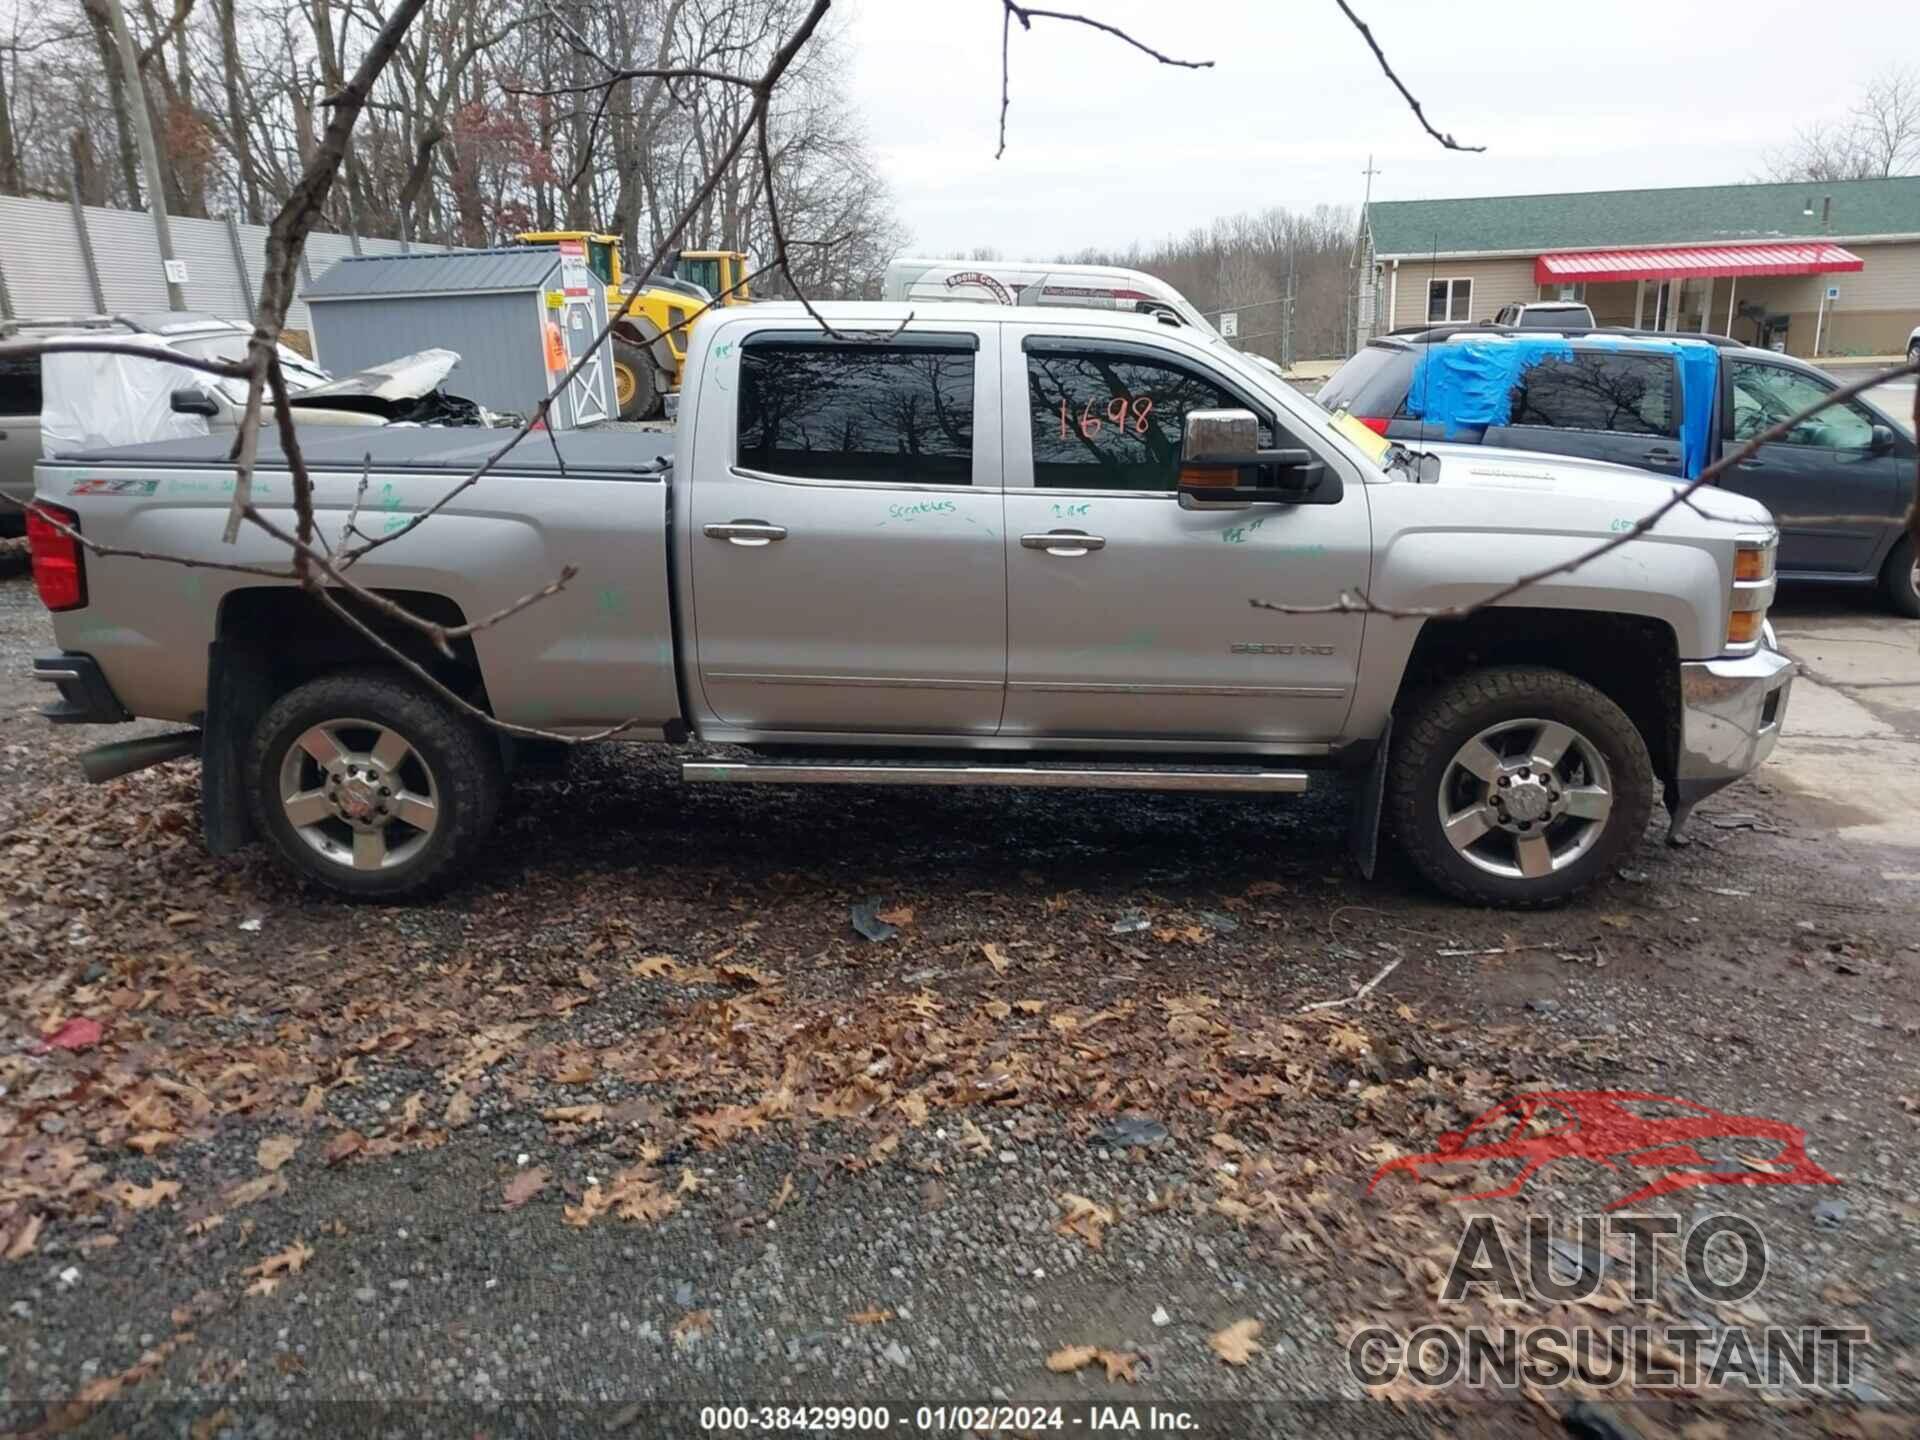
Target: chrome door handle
(746,532)
(1064,542)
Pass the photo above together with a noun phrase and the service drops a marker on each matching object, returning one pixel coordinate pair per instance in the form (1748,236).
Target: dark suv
(1614,402)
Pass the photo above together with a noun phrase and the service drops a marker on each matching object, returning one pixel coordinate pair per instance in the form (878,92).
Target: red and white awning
(1811,257)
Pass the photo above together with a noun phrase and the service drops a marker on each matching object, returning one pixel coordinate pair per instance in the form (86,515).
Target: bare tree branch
(1400,85)
(1027,14)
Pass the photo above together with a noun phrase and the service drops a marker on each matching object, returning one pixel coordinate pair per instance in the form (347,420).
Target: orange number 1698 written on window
(1121,412)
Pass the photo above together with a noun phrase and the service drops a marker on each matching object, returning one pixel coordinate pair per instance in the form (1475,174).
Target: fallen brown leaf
(523,1187)
(899,915)
(135,1197)
(148,1141)
(874,1316)
(694,1323)
(459,1110)
(344,1146)
(1084,1218)
(1235,1344)
(653,967)
(997,958)
(276,1150)
(782,1195)
(289,1261)
(25,1238)
(576,1114)
(1072,1357)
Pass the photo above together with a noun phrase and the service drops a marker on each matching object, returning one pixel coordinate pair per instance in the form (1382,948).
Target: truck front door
(1127,615)
(846,558)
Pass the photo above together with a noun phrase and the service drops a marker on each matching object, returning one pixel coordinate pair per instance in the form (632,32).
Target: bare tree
(1879,137)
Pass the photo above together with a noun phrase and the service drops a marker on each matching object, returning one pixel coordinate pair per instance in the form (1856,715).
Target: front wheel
(368,784)
(1900,579)
(636,384)
(1517,787)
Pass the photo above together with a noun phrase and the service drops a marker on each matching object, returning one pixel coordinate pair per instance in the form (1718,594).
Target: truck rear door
(846,560)
(1127,615)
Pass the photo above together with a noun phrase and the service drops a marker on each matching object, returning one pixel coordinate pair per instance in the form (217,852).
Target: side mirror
(190,400)
(1882,442)
(1221,465)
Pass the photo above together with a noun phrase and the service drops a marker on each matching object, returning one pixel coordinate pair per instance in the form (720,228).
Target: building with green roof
(1833,264)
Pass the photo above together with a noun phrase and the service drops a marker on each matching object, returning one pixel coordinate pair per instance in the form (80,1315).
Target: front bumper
(85,696)
(1730,715)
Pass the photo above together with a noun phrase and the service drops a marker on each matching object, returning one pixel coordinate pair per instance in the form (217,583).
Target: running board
(1282,782)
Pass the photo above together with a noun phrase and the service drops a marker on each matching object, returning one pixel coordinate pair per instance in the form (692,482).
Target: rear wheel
(1517,787)
(636,383)
(371,786)
(1900,579)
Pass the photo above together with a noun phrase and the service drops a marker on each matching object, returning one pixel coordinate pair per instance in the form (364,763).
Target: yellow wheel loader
(648,351)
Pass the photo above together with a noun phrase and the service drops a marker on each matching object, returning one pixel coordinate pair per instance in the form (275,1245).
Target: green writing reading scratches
(609,601)
(721,351)
(1072,511)
(925,507)
(1620,527)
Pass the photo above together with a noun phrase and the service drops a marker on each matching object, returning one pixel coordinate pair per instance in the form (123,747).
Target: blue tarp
(1463,386)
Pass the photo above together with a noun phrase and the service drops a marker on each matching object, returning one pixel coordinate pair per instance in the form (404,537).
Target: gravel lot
(637,1117)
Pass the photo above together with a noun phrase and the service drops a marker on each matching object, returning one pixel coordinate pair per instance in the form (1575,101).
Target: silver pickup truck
(1004,548)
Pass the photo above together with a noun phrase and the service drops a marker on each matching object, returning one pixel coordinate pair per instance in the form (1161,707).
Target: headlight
(1752,592)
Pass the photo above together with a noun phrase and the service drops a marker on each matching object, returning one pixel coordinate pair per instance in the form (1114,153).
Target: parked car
(83,400)
(1913,346)
(1616,395)
(1545,315)
(1007,548)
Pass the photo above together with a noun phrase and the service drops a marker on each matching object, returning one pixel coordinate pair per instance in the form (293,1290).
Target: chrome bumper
(1730,714)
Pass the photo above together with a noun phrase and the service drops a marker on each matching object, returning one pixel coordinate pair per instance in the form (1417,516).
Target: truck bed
(599,652)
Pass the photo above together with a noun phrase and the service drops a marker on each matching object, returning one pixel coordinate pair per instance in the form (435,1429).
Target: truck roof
(874,314)
(454,449)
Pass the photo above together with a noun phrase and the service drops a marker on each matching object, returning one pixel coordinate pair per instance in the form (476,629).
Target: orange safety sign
(556,348)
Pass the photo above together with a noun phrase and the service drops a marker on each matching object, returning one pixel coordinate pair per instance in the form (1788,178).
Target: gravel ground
(636,1117)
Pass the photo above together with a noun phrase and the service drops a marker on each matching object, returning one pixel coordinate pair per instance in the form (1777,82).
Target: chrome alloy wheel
(359,793)
(1525,798)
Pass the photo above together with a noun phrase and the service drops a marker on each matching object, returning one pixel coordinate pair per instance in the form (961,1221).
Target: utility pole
(149,156)
(1353,268)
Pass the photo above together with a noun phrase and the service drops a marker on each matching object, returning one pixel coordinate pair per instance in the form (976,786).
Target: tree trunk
(117,95)
(237,120)
(9,157)
(88,183)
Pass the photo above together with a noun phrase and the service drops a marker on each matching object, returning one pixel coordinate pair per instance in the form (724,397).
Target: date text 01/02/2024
(969,1419)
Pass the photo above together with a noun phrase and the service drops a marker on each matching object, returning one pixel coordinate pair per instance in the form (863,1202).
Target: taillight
(1376,423)
(59,567)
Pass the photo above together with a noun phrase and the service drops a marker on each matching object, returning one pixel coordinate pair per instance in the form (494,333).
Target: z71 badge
(100,485)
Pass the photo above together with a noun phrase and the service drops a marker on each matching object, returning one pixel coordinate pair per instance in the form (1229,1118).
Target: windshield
(301,373)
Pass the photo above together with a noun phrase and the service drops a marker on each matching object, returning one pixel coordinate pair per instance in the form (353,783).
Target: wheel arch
(1632,659)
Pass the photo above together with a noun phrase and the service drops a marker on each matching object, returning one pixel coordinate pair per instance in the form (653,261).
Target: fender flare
(637,329)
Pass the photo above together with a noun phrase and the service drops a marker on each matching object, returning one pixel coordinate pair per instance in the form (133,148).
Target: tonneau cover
(603,451)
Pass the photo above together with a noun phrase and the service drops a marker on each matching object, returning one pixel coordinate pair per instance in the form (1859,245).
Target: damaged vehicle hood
(381,388)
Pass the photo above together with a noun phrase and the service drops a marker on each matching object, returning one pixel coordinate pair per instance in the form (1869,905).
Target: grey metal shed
(496,307)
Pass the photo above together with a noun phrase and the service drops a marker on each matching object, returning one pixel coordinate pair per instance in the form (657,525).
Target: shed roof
(465,272)
(1695,214)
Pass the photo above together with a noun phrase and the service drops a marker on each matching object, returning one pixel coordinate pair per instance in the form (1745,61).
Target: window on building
(1448,300)
(1764,395)
(1114,421)
(1599,390)
(898,414)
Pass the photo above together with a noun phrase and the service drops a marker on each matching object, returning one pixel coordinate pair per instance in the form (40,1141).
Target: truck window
(704,273)
(896,414)
(1764,395)
(20,386)
(1113,421)
(1599,390)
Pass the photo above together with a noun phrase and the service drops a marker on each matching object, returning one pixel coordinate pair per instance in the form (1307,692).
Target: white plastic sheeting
(91,401)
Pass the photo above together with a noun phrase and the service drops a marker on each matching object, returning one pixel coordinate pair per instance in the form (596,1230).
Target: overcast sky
(1105,147)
